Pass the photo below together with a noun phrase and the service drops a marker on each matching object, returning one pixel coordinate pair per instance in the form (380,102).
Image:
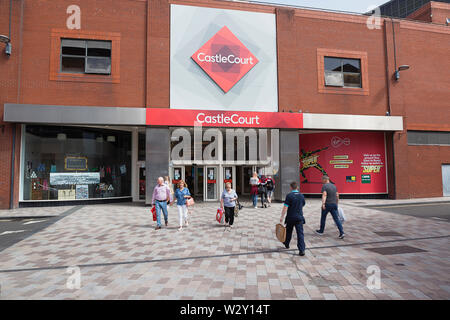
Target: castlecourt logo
(225,59)
(222,119)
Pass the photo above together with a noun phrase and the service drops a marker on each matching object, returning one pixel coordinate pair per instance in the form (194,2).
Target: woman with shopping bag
(182,195)
(228,202)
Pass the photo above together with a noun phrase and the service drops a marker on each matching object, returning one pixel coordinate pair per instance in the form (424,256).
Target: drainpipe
(388,85)
(13,159)
(13,152)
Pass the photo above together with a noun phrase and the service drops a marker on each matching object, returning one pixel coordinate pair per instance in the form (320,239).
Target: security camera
(8,49)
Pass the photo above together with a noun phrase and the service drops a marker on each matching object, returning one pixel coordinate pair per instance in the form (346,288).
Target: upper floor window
(341,72)
(85,56)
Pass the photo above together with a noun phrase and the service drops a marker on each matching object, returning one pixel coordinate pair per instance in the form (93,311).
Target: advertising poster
(354,161)
(82,192)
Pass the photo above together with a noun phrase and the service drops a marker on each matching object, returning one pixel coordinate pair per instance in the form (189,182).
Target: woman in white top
(254,182)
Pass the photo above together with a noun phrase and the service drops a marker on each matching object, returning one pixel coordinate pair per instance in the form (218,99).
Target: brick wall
(421,95)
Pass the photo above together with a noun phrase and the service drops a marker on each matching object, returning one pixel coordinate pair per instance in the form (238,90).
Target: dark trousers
(229,215)
(263,196)
(333,209)
(300,237)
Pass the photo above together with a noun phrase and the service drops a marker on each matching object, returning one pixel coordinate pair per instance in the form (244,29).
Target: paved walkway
(121,256)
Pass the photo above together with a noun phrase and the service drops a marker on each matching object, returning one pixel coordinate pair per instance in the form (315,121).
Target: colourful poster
(354,161)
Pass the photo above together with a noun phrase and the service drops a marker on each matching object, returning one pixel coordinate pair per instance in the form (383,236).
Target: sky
(360,6)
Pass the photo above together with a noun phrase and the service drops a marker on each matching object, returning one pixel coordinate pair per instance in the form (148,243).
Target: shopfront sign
(75,163)
(224,119)
(354,161)
(72,178)
(225,59)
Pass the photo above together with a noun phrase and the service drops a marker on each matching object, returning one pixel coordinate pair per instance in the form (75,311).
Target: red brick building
(334,69)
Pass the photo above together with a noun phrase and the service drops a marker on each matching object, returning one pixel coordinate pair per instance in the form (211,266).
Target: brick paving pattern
(121,256)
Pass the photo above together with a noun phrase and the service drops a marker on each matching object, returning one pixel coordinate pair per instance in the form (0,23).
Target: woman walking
(262,190)
(254,181)
(228,200)
(181,194)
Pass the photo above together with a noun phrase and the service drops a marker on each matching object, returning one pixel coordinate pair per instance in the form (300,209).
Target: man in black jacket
(293,206)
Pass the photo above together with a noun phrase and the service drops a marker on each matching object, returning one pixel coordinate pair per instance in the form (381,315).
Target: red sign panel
(354,161)
(225,59)
(232,119)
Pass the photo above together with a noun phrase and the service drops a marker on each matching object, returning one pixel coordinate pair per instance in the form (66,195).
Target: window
(85,56)
(341,72)
(428,138)
(75,163)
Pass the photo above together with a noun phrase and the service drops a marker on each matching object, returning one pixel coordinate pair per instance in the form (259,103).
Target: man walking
(330,199)
(161,194)
(293,205)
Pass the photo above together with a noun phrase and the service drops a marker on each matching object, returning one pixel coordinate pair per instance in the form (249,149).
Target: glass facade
(74,163)
(403,8)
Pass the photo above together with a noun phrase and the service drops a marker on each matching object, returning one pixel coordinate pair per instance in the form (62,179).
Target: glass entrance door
(141,169)
(247,172)
(177,174)
(229,175)
(211,182)
(198,182)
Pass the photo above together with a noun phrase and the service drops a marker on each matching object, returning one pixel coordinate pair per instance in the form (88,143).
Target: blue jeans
(300,238)
(333,209)
(255,199)
(161,205)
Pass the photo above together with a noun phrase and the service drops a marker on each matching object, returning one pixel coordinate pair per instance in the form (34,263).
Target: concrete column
(289,162)
(156,158)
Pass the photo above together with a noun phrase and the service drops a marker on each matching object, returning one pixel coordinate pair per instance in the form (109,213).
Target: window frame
(56,73)
(343,54)
(344,72)
(86,56)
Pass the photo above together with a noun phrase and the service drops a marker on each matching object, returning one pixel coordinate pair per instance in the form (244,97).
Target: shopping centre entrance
(207,159)
(207,182)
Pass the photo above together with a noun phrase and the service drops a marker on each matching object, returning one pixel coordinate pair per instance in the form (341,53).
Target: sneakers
(319,233)
(301,253)
(158,227)
(167,223)
(180,228)
(286,245)
(341,236)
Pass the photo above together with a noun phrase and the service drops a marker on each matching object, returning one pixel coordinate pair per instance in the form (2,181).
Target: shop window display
(73,163)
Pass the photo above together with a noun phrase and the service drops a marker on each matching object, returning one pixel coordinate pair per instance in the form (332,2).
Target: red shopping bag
(153,210)
(219,215)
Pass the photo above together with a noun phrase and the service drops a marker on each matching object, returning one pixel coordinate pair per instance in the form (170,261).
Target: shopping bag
(153,211)
(190,202)
(280,232)
(220,216)
(341,215)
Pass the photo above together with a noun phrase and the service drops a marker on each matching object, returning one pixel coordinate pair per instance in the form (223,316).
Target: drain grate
(395,250)
(389,234)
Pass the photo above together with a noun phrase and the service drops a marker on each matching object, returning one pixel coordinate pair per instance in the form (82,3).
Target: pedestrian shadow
(148,226)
